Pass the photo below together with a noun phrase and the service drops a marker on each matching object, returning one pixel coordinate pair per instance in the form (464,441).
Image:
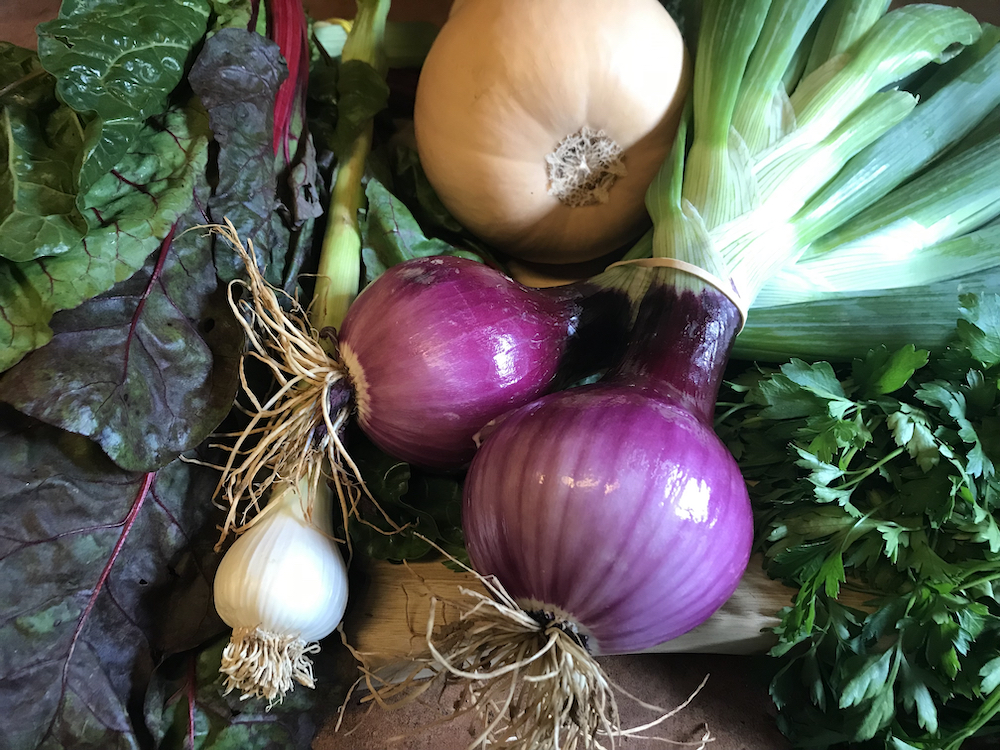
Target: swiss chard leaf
(237,76)
(412,185)
(102,572)
(118,62)
(186,707)
(40,141)
(128,214)
(361,94)
(426,507)
(391,235)
(148,368)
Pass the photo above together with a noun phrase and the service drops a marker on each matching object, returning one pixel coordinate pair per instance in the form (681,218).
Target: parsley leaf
(876,496)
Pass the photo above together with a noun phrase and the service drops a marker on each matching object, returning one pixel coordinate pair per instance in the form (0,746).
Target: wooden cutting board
(389,607)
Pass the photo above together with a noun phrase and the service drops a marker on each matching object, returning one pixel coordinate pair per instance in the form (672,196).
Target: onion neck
(308,500)
(680,341)
(598,312)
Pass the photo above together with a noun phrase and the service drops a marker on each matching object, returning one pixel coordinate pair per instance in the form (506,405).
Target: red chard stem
(286,23)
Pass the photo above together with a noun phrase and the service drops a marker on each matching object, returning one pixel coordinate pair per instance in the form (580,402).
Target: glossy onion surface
(437,347)
(614,506)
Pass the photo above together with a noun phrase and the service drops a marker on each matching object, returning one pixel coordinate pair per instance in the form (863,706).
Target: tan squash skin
(507,80)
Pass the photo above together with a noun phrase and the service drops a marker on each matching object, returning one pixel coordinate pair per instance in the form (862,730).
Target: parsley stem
(980,581)
(982,716)
(860,475)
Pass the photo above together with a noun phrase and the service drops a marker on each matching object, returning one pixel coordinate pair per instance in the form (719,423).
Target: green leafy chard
(128,213)
(108,557)
(391,235)
(880,479)
(185,706)
(424,508)
(149,367)
(116,63)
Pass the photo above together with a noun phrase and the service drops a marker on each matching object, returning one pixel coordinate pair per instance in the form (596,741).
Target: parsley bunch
(876,493)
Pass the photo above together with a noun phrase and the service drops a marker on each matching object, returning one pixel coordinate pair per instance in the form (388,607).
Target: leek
(830,203)
(945,117)
(844,22)
(740,198)
(844,325)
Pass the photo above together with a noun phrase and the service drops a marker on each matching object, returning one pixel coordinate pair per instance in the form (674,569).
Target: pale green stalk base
(338,277)
(339,274)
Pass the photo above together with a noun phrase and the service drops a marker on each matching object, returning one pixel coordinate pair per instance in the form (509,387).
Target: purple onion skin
(437,347)
(615,504)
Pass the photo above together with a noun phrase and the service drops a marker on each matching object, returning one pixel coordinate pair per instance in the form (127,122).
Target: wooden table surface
(734,704)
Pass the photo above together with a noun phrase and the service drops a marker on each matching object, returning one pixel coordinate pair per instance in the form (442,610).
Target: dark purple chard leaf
(186,708)
(118,62)
(148,369)
(302,206)
(103,572)
(236,76)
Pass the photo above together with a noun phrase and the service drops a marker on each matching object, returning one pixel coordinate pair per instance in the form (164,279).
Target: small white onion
(281,587)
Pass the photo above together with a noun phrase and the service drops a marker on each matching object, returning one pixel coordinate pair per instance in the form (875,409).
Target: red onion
(613,507)
(437,347)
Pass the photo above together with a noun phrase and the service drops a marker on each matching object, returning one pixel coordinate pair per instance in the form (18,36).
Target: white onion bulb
(281,587)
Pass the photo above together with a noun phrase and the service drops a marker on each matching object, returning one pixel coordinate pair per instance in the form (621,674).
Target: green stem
(982,716)
(14,85)
(339,273)
(861,474)
(980,581)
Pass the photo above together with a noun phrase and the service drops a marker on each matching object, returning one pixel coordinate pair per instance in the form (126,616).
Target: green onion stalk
(296,431)
(291,448)
(339,275)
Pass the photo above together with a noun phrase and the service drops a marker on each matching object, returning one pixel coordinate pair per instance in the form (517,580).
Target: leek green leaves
(833,149)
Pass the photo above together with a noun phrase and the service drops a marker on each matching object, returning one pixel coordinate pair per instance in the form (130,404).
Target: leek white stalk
(281,587)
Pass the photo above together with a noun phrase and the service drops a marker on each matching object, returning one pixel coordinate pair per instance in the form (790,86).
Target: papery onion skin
(615,504)
(437,347)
